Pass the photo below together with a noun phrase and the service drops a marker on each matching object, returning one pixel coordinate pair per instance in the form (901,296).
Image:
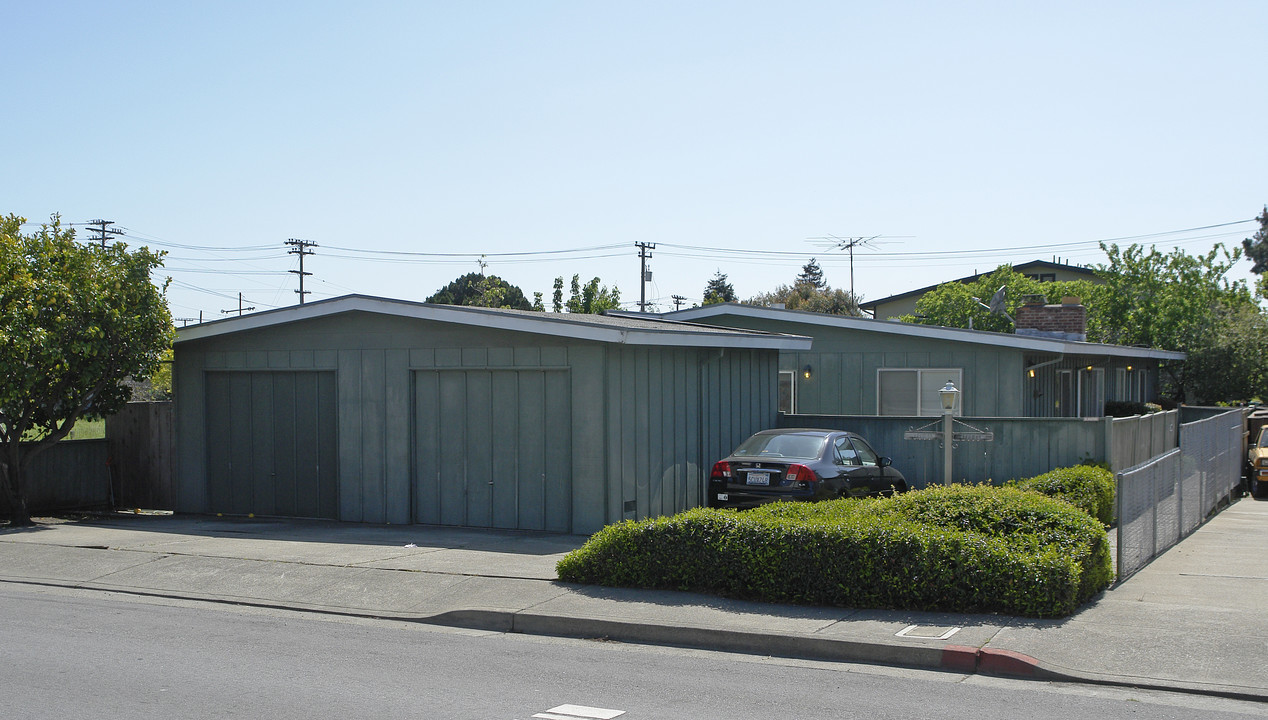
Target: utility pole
(678,301)
(104,231)
(240,309)
(644,254)
(300,248)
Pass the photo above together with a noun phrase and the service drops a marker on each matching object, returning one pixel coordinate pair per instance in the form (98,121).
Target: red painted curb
(960,658)
(1006,662)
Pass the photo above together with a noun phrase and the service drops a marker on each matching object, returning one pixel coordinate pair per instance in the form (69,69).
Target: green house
(374,410)
(862,366)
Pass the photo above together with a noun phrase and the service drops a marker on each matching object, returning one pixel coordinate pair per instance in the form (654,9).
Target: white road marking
(574,712)
(911,631)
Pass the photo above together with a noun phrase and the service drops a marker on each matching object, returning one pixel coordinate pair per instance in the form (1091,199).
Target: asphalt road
(69,653)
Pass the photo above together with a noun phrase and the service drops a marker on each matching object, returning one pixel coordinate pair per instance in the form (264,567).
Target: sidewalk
(1195,620)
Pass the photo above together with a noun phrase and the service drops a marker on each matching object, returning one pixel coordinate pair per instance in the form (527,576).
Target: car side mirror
(885,462)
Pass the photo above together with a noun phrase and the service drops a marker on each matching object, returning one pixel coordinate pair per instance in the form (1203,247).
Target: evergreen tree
(1256,246)
(812,274)
(719,290)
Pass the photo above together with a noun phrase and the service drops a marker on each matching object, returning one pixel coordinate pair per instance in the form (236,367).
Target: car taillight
(798,473)
(721,470)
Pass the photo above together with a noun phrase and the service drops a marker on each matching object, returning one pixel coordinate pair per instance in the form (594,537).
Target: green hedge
(958,548)
(1088,487)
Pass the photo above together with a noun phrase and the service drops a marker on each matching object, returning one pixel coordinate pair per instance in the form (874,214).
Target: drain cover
(927,632)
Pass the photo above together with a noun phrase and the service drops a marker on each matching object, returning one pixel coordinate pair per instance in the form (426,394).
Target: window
(1092,392)
(1043,277)
(866,453)
(915,391)
(845,454)
(787,392)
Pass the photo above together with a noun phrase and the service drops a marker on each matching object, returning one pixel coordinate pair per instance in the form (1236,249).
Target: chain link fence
(1163,500)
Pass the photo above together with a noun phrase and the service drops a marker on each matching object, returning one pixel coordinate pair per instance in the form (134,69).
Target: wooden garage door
(493,448)
(271,445)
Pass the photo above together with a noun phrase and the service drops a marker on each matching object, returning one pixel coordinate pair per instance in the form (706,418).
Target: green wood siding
(462,425)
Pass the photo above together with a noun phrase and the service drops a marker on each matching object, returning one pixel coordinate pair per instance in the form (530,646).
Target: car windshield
(1263,438)
(793,446)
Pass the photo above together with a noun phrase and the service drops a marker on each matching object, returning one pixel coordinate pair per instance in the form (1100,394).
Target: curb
(950,658)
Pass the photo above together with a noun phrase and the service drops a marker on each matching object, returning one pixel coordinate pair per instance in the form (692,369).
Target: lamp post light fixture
(947,395)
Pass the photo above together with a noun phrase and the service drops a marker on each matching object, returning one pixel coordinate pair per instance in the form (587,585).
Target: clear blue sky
(218,130)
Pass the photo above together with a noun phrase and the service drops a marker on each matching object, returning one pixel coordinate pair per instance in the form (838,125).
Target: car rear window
(805,447)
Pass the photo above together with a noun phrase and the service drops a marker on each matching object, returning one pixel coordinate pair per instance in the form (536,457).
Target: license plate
(757,478)
(724,497)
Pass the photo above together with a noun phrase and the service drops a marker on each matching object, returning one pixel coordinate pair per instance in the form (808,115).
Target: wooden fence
(71,475)
(142,460)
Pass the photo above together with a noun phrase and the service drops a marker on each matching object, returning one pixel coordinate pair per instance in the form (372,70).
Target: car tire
(1260,489)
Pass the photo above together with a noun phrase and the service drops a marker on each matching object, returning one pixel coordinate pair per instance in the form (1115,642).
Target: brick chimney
(1067,321)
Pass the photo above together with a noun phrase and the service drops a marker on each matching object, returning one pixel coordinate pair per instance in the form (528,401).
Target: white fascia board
(501,321)
(935,332)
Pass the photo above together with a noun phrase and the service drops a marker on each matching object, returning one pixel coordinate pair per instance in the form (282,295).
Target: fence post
(1109,443)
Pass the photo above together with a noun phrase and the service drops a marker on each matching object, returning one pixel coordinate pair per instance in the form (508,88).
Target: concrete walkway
(1195,620)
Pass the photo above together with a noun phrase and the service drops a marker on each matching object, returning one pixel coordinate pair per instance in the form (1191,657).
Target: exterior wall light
(805,372)
(1031,372)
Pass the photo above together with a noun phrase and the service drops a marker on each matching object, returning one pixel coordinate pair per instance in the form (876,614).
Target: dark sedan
(794,464)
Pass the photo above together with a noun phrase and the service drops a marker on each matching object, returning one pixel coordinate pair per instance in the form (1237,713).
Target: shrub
(1090,488)
(965,549)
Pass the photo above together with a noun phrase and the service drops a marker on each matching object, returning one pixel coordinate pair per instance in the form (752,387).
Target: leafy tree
(476,289)
(538,306)
(1256,246)
(812,274)
(76,322)
(952,304)
(1172,301)
(719,290)
(811,293)
(1231,365)
(591,298)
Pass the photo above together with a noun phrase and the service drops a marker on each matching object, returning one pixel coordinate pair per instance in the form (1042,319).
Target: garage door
(493,448)
(271,445)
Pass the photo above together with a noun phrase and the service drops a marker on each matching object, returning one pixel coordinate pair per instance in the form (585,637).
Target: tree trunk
(11,481)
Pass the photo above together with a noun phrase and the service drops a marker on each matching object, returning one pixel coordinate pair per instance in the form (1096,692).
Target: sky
(409,139)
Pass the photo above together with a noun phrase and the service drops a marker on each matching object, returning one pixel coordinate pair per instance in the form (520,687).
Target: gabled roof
(1032,267)
(618,329)
(932,332)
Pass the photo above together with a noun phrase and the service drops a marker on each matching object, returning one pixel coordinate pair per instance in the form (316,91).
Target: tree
(1256,246)
(478,290)
(811,293)
(1173,301)
(76,323)
(952,304)
(591,298)
(812,274)
(719,290)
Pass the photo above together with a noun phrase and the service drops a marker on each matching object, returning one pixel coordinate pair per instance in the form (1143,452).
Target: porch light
(1031,372)
(947,395)
(805,372)
(1129,368)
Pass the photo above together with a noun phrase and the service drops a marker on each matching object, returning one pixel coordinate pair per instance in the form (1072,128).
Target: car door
(870,476)
(853,477)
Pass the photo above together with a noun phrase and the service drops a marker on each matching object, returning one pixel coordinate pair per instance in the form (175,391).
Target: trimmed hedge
(958,548)
(1088,487)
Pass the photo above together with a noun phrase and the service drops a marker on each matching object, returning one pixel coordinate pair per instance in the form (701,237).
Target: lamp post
(947,395)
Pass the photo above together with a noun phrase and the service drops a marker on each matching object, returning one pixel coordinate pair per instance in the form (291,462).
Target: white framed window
(914,391)
(787,392)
